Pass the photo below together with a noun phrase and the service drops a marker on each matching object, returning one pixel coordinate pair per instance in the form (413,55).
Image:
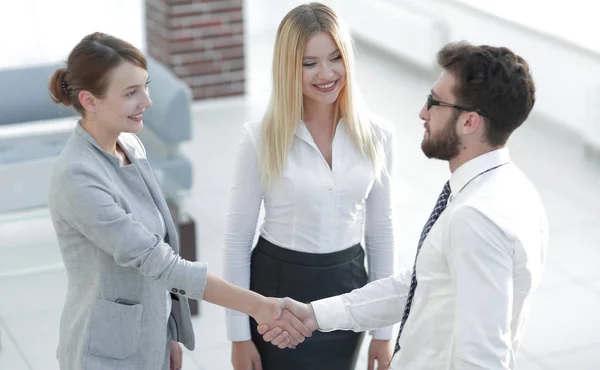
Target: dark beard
(446,144)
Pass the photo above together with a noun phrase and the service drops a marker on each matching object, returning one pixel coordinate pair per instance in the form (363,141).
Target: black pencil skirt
(306,277)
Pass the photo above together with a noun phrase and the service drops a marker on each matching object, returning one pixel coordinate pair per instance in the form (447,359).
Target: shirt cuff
(330,313)
(385,333)
(238,328)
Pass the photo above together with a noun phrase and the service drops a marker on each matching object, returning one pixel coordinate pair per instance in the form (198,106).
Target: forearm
(376,305)
(380,241)
(381,265)
(244,207)
(231,296)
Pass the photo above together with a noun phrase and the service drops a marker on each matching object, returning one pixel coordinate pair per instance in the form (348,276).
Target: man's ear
(471,122)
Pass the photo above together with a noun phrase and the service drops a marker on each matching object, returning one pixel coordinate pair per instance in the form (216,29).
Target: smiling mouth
(326,87)
(136,118)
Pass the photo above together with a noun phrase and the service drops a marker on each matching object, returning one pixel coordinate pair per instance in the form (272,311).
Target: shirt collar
(302,131)
(471,169)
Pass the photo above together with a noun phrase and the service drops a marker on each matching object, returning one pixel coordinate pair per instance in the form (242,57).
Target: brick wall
(202,41)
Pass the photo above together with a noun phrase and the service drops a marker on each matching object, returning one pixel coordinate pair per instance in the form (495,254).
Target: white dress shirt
(476,271)
(312,208)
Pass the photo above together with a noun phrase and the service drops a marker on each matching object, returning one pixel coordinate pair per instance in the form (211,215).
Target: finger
(272,334)
(284,344)
(382,366)
(291,305)
(371,363)
(295,333)
(277,308)
(262,329)
(291,342)
(179,362)
(280,339)
(299,325)
(176,364)
(385,366)
(291,323)
(256,364)
(179,358)
(172,358)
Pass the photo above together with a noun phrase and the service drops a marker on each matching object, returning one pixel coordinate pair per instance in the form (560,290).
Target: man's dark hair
(492,80)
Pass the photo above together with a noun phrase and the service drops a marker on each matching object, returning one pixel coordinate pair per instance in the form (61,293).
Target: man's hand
(277,335)
(380,350)
(287,328)
(176,358)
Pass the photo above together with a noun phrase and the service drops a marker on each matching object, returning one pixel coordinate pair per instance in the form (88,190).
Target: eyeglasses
(431,102)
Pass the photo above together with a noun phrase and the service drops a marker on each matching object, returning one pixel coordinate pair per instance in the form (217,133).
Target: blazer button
(174,290)
(182,292)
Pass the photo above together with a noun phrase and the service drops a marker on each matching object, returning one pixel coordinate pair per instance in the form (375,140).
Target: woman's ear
(88,101)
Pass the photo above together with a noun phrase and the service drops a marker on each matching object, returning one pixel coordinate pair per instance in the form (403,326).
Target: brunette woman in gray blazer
(126,304)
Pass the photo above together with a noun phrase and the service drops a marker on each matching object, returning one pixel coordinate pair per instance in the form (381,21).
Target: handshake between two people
(287,323)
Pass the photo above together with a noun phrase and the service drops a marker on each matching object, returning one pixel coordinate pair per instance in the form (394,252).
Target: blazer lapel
(160,201)
(143,166)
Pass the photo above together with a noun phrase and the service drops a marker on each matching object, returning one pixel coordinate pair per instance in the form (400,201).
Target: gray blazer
(118,266)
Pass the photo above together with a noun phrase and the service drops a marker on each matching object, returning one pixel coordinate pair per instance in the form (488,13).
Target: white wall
(567,77)
(43,31)
(578,19)
(417,35)
(568,80)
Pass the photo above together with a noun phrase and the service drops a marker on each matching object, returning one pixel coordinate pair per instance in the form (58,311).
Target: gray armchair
(26,160)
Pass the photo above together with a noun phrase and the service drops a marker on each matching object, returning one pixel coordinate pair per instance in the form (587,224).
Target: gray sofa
(26,160)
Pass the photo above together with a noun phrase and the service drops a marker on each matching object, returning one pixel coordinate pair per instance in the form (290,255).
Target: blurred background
(210,67)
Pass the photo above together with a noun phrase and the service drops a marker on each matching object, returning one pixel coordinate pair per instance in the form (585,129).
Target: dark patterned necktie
(440,205)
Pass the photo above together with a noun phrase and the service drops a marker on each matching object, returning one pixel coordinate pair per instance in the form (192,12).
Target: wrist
(311,310)
(258,305)
(314,325)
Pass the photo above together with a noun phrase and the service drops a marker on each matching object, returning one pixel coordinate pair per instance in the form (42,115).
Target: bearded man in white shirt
(465,303)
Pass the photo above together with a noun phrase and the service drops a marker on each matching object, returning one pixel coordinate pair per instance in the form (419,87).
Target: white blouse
(311,208)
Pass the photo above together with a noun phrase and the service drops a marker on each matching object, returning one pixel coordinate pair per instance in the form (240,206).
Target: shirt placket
(330,181)
(326,233)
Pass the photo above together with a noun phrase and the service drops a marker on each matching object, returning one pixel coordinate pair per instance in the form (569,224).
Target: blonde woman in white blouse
(323,168)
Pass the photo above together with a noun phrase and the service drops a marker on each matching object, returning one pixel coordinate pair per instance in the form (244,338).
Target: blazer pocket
(115,329)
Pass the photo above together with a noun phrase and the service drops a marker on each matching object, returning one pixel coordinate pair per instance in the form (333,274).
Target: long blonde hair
(285,108)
